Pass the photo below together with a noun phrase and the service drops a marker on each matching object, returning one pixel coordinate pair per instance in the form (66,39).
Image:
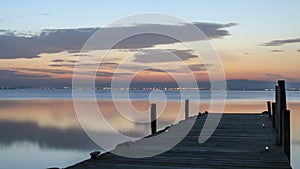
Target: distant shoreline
(148,89)
(143,95)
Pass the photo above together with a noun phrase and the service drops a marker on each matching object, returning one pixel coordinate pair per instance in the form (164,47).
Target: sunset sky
(41,40)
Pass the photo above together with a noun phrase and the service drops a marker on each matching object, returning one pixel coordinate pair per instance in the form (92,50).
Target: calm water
(137,94)
(142,94)
(40,127)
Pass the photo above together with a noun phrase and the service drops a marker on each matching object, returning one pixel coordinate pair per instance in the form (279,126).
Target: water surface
(40,128)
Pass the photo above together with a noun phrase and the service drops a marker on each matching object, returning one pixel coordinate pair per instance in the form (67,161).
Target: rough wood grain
(240,141)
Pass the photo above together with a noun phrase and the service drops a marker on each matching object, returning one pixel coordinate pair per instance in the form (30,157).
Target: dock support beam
(153,119)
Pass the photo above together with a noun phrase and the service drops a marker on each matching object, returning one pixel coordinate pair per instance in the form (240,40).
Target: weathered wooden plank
(240,141)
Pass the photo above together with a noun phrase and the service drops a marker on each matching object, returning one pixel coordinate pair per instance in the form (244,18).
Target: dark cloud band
(281,42)
(276,50)
(71,40)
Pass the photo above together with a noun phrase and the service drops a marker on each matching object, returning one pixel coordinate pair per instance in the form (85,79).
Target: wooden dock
(240,141)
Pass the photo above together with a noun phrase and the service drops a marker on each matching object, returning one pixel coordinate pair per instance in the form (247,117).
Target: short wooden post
(273,115)
(95,154)
(186,108)
(286,134)
(269,108)
(153,119)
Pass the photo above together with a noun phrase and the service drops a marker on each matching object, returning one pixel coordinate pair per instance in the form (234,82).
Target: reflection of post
(186,108)
(153,118)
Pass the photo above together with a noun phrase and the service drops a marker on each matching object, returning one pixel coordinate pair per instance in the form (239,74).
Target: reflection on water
(295,148)
(30,155)
(45,137)
(295,127)
(47,133)
(44,113)
(41,134)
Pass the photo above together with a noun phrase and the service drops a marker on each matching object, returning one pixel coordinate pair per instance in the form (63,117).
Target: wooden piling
(273,114)
(269,108)
(186,106)
(286,134)
(281,108)
(281,85)
(281,118)
(153,119)
(277,115)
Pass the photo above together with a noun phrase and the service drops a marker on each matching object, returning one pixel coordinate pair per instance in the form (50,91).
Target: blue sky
(34,14)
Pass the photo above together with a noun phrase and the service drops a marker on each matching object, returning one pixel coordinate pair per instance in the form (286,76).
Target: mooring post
(186,108)
(281,85)
(153,119)
(286,134)
(277,115)
(273,115)
(281,117)
(282,108)
(269,108)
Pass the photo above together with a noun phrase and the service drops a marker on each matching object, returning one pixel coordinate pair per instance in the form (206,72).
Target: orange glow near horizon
(262,66)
